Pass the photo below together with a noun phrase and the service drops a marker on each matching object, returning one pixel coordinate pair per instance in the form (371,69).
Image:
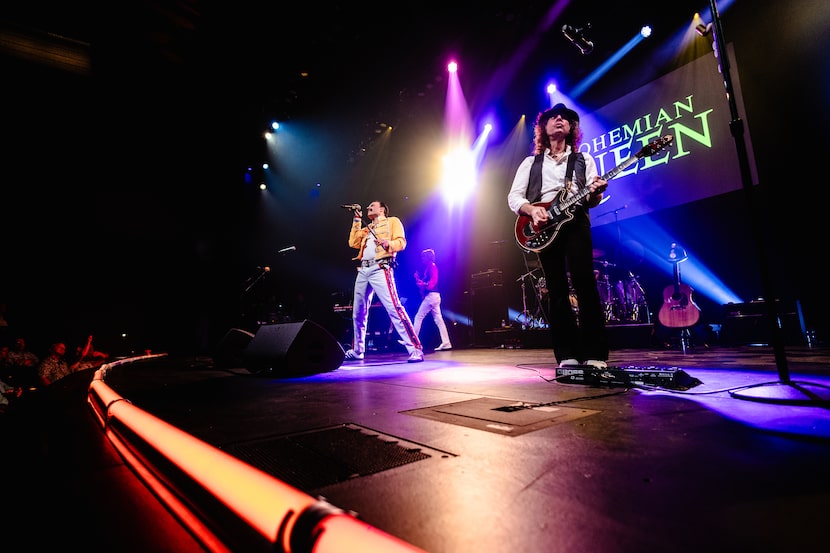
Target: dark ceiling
(374,61)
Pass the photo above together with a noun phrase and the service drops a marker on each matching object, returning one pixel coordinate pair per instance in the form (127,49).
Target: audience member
(5,364)
(7,393)
(22,364)
(54,366)
(4,323)
(86,357)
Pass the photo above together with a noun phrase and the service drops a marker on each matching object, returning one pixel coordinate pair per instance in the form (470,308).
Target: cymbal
(604,263)
(598,253)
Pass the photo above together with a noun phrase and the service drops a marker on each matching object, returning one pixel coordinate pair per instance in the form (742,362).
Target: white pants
(379,279)
(432,304)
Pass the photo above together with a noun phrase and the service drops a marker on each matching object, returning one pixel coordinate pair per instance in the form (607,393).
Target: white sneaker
(352,355)
(569,363)
(443,347)
(597,364)
(416,356)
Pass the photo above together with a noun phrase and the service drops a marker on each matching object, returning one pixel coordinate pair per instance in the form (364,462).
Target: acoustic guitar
(679,310)
(535,238)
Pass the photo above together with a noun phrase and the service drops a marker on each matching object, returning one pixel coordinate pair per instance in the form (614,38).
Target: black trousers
(571,253)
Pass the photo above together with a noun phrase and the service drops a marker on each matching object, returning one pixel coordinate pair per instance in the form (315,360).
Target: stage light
(704,30)
(577,38)
(645,32)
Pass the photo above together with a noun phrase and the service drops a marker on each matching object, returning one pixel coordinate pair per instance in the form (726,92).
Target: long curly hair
(541,140)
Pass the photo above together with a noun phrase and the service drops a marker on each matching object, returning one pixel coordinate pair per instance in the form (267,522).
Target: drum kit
(623,299)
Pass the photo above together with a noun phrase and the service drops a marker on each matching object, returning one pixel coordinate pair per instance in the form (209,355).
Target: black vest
(576,167)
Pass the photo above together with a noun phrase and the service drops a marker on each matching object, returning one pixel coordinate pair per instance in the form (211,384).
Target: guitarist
(545,176)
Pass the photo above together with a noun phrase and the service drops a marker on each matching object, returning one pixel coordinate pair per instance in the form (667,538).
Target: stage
(478,449)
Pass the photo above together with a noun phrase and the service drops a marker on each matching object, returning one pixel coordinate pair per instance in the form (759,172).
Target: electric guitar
(679,310)
(535,238)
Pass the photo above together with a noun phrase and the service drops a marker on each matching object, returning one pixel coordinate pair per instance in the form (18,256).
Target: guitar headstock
(655,146)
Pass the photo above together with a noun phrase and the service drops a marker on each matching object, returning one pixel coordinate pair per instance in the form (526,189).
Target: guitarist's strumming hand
(538,213)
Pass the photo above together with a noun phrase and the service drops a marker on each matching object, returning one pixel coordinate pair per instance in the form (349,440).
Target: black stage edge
(671,377)
(620,336)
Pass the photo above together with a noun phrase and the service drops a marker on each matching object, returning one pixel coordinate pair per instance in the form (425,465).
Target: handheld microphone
(576,38)
(350,206)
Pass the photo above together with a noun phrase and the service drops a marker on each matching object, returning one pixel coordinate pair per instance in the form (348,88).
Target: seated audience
(87,357)
(54,366)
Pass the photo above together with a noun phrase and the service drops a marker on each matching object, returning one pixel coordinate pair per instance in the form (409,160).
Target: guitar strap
(534,183)
(569,171)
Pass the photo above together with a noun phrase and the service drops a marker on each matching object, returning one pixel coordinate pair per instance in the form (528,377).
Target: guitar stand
(685,340)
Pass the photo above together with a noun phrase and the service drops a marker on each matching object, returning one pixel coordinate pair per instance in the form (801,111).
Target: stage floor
(492,451)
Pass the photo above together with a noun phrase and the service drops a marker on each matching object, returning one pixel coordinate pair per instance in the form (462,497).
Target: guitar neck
(584,191)
(621,167)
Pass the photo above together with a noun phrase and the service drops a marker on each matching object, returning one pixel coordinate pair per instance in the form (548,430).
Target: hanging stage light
(577,38)
(704,30)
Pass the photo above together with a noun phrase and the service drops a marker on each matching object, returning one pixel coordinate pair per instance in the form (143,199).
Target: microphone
(620,208)
(576,38)
(288,249)
(350,206)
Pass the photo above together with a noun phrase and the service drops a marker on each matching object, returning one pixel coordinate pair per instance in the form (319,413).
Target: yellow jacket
(385,228)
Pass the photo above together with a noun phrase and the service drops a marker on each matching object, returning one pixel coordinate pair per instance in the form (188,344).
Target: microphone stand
(253,280)
(525,316)
(618,245)
(785,390)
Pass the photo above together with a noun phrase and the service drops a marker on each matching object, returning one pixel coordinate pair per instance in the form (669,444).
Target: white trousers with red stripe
(379,280)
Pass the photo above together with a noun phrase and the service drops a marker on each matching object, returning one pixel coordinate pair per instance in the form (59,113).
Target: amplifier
(671,377)
(749,323)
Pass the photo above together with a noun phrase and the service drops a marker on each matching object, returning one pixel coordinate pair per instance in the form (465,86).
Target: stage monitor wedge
(293,349)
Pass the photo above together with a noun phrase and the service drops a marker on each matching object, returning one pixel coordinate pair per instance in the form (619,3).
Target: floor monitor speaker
(294,349)
(228,352)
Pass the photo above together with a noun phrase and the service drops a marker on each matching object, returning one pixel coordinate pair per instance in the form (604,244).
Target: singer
(377,244)
(555,169)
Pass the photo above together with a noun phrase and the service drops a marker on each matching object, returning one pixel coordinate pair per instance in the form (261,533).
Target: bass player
(555,171)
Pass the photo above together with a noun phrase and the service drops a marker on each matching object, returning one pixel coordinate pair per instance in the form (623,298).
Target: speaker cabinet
(489,311)
(749,323)
(228,352)
(295,349)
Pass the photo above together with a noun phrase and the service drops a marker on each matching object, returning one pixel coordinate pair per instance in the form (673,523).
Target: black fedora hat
(559,109)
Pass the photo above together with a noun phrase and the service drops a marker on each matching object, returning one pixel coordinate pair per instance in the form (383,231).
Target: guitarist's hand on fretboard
(596,189)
